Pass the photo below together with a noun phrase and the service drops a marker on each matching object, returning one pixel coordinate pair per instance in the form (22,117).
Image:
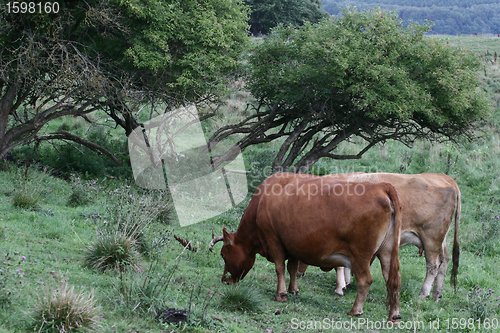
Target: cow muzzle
(228,279)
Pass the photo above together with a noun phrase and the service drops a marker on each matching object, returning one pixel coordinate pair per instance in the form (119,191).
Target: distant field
(480,43)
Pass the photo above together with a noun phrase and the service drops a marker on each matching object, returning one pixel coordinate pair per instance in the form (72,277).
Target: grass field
(43,246)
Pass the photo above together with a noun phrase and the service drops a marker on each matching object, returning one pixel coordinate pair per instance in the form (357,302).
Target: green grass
(45,247)
(56,243)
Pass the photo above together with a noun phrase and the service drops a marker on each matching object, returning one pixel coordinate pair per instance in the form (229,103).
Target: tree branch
(63,135)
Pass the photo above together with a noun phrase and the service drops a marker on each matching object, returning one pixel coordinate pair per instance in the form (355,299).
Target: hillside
(50,224)
(450,17)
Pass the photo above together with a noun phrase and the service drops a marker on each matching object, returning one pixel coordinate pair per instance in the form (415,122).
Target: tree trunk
(6,104)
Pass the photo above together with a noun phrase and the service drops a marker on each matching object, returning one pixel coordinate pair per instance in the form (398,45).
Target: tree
(114,56)
(362,75)
(267,14)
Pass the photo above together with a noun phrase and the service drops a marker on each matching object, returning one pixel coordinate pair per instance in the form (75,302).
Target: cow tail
(456,247)
(394,281)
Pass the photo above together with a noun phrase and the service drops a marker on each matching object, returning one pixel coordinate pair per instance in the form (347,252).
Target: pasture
(49,219)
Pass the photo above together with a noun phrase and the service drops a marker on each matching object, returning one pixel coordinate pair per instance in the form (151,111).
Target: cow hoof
(436,298)
(294,293)
(338,294)
(281,298)
(396,317)
(355,314)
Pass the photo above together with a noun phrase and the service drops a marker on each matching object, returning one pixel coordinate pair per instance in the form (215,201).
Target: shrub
(72,157)
(242,298)
(65,310)
(112,250)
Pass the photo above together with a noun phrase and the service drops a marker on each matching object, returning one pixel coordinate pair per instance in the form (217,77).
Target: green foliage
(267,14)
(118,56)
(4,166)
(189,44)
(65,310)
(362,76)
(367,66)
(70,157)
(197,274)
(241,297)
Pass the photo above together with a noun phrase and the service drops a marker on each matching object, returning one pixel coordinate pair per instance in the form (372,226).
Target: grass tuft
(66,310)
(241,298)
(112,250)
(29,189)
(25,200)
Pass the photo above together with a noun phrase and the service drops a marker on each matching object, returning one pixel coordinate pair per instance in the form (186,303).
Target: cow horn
(215,240)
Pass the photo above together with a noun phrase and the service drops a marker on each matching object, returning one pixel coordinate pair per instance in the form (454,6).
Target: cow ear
(228,239)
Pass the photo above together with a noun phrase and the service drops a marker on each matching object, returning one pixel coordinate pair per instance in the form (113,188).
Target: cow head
(237,258)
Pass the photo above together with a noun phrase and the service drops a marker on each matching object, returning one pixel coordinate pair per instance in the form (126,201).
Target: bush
(72,157)
(65,310)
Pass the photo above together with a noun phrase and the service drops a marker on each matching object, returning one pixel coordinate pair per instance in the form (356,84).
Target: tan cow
(429,202)
(323,222)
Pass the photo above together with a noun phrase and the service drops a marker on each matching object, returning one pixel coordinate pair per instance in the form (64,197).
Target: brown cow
(429,202)
(323,222)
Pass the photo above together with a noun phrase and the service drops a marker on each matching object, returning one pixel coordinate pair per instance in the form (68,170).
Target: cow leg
(347,276)
(364,280)
(279,262)
(302,269)
(437,291)
(292,267)
(339,290)
(433,259)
